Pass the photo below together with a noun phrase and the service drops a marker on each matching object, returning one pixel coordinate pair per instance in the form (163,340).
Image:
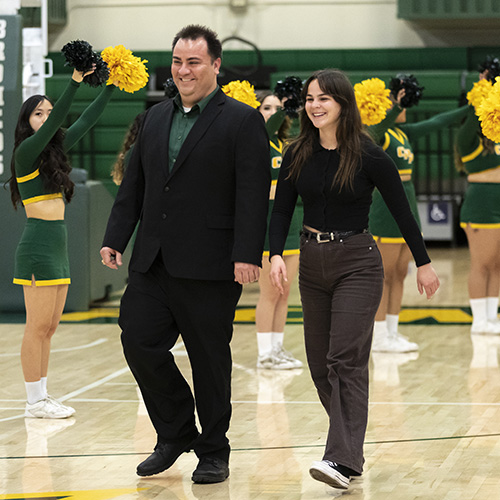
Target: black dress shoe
(163,457)
(210,470)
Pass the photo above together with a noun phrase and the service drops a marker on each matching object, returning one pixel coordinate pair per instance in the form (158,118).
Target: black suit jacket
(211,209)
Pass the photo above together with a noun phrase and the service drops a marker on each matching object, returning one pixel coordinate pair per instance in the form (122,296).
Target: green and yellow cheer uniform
(395,140)
(42,251)
(293,238)
(481,205)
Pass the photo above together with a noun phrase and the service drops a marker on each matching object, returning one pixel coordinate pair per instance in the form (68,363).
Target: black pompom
(100,74)
(413,92)
(79,55)
(290,88)
(492,65)
(170,88)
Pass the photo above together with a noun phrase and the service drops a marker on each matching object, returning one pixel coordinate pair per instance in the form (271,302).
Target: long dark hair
(350,132)
(54,165)
(130,137)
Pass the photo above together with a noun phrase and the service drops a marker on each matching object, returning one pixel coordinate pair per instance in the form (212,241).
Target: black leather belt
(332,235)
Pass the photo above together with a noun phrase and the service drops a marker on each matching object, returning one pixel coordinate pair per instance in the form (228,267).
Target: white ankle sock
(264,342)
(380,329)
(278,339)
(392,322)
(43,380)
(478,307)
(34,391)
(492,308)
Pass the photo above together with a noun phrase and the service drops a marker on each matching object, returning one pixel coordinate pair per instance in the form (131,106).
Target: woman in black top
(334,166)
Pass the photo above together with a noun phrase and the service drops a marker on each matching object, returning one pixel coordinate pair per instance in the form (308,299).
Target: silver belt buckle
(319,240)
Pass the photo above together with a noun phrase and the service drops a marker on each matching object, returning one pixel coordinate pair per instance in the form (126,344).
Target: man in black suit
(198,184)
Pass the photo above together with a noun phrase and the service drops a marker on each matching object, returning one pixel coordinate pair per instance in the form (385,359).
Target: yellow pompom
(372,98)
(126,71)
(479,92)
(241,91)
(489,113)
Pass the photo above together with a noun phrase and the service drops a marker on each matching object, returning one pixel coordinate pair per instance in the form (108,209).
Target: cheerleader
(479,158)
(41,183)
(395,137)
(272,306)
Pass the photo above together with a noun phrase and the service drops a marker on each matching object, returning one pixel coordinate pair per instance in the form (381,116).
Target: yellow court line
(104,312)
(76,495)
(440,315)
(247,315)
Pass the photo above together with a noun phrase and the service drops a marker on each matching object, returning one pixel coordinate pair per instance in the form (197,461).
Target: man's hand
(111,258)
(245,273)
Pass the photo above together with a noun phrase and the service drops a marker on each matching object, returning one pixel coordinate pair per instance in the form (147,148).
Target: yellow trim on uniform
(274,182)
(277,148)
(406,171)
(17,281)
(478,225)
(474,154)
(62,281)
(28,177)
(383,239)
(51,196)
(398,134)
(285,252)
(386,142)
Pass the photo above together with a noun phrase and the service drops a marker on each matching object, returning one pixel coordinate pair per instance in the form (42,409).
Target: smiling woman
(323,111)
(334,166)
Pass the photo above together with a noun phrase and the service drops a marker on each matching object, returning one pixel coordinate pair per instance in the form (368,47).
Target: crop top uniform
(481,205)
(42,251)
(395,140)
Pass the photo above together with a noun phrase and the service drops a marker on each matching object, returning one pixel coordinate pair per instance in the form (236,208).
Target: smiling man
(198,184)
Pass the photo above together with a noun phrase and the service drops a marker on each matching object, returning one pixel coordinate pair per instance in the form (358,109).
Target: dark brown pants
(341,287)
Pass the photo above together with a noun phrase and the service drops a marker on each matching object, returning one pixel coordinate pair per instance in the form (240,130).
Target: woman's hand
(399,98)
(427,280)
(78,76)
(278,273)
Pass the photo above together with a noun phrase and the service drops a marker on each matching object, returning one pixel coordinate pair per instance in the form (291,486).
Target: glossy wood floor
(433,433)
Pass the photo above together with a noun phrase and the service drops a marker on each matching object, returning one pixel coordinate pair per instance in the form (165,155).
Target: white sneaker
(492,327)
(327,472)
(287,360)
(278,359)
(393,343)
(70,409)
(46,408)
(266,361)
(404,341)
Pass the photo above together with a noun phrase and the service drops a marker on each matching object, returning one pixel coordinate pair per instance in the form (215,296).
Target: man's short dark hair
(195,31)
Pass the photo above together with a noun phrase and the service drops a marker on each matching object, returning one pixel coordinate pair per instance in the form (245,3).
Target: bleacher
(446,73)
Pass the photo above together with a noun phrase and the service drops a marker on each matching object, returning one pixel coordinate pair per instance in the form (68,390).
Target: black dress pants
(155,309)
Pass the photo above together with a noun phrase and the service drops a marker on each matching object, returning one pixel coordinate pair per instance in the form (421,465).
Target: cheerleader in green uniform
(480,214)
(40,182)
(395,137)
(272,306)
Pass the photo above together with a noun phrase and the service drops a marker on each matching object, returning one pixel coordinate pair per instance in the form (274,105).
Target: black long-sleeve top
(328,209)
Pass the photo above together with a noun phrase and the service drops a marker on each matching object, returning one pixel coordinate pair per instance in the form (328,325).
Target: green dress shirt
(182,123)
